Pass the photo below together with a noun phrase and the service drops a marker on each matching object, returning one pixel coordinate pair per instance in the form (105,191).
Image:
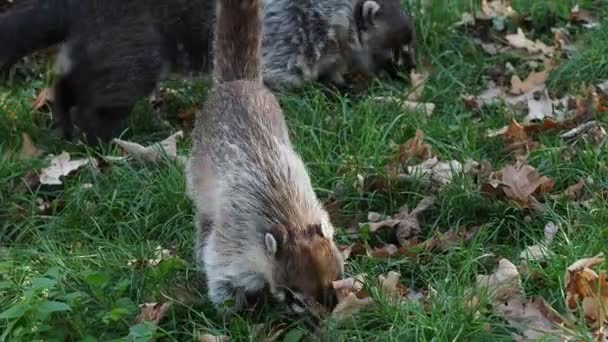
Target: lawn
(78,259)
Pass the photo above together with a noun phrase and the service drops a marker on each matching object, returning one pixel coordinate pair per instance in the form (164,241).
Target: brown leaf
(45,97)
(212,338)
(418,80)
(153,152)
(62,166)
(583,17)
(351,297)
(414,149)
(28,149)
(517,141)
(573,192)
(533,82)
(441,242)
(152,312)
(503,284)
(541,251)
(520,41)
(497,8)
(519,182)
(384,251)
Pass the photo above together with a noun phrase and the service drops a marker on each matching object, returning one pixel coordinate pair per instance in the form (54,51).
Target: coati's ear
(275,239)
(369,10)
(321,230)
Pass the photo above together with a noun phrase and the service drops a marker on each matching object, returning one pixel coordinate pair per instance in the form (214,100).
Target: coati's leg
(65,100)
(102,124)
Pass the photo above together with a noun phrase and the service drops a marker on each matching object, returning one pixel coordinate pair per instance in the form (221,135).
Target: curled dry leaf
(520,41)
(534,318)
(62,166)
(591,130)
(541,251)
(517,142)
(573,192)
(152,312)
(351,297)
(413,149)
(503,284)
(212,338)
(45,97)
(28,149)
(391,287)
(418,80)
(404,222)
(153,152)
(586,18)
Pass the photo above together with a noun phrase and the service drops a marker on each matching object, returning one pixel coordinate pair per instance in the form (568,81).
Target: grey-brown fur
(306,40)
(259,223)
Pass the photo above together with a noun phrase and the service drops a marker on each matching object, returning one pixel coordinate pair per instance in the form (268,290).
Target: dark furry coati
(259,223)
(112,55)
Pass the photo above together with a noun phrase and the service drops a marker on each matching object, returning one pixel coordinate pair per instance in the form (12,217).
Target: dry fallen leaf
(152,312)
(404,222)
(497,8)
(153,152)
(520,41)
(160,254)
(414,149)
(440,242)
(503,284)
(541,251)
(535,81)
(45,97)
(62,166)
(591,130)
(517,141)
(534,318)
(439,172)
(418,81)
(586,18)
(213,338)
(586,288)
(391,287)
(573,192)
(522,181)
(351,297)
(28,149)
(519,182)
(540,106)
(426,108)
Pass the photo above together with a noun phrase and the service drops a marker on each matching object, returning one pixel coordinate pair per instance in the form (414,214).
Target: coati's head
(387,33)
(306,261)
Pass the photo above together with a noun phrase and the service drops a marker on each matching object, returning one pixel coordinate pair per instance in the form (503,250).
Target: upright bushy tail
(238,42)
(32,25)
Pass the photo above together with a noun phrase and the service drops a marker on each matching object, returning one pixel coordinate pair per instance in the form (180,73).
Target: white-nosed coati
(259,223)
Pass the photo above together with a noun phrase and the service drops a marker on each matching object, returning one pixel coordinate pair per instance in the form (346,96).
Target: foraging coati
(259,223)
(308,39)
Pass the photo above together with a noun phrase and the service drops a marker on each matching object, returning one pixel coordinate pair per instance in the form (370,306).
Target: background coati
(305,40)
(259,223)
(103,72)
(113,53)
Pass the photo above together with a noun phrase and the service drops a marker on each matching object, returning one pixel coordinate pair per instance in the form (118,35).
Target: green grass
(77,253)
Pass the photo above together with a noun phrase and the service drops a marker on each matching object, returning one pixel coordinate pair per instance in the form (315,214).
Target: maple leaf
(152,312)
(153,152)
(62,166)
(522,181)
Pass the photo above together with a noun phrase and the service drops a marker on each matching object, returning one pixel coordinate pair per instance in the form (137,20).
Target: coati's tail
(32,25)
(238,54)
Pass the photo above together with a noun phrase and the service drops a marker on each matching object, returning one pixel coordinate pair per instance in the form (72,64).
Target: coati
(113,53)
(259,223)
(102,73)
(306,40)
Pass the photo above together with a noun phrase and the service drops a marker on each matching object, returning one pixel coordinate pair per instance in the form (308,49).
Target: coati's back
(259,222)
